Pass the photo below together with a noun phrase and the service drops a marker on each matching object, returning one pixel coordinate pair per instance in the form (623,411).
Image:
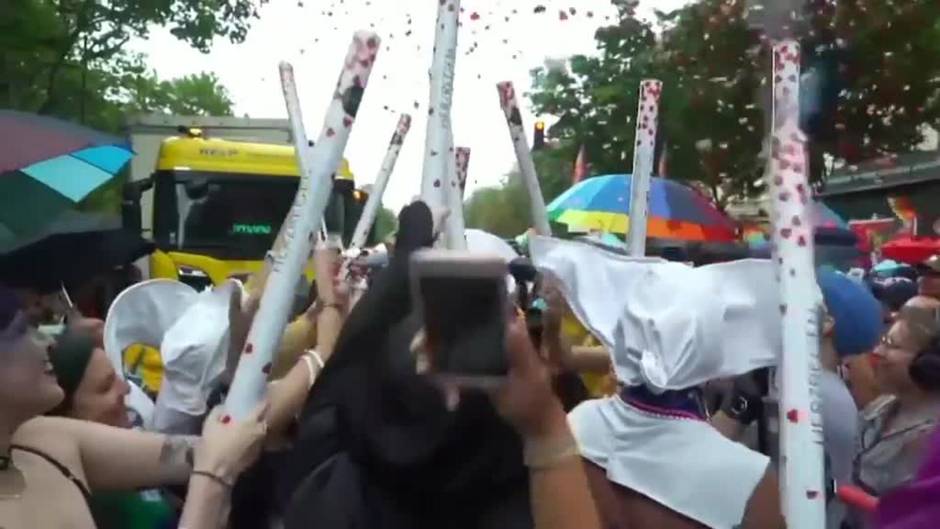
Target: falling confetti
(539,9)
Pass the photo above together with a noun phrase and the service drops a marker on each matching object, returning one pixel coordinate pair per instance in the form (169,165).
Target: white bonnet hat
(483,242)
(669,326)
(190,328)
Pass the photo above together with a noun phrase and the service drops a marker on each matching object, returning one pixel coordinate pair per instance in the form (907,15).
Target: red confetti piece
(802,240)
(225,419)
(347,121)
(793,416)
(474,16)
(786,233)
(266,369)
(437,183)
(330,132)
(249,348)
(812,494)
(562,15)
(796,220)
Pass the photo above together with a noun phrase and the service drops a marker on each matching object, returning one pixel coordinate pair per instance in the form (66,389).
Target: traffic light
(355,204)
(538,139)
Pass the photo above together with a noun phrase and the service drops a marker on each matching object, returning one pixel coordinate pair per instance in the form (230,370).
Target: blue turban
(857,314)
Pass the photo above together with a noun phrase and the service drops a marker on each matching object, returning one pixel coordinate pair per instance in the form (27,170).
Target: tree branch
(62,56)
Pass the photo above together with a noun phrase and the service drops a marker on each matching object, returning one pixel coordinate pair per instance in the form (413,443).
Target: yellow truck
(217,206)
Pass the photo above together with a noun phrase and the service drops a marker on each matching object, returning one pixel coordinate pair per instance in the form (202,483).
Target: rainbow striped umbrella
(676,212)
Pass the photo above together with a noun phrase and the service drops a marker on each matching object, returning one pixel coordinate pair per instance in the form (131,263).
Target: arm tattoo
(178,450)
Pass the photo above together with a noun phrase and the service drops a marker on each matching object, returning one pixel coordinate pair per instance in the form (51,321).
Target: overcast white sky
(509,40)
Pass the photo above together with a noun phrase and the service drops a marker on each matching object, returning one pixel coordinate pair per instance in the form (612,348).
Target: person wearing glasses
(895,428)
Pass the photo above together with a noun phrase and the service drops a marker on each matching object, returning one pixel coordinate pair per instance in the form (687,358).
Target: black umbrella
(70,250)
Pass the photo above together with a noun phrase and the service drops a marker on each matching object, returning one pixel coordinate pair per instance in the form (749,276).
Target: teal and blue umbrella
(49,165)
(676,211)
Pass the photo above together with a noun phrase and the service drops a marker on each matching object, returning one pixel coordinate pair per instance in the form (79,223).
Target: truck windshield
(226,216)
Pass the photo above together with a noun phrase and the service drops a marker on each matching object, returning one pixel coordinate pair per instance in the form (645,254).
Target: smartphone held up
(463,301)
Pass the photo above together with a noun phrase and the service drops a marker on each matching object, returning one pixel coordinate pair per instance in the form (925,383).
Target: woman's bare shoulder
(54,438)
(54,433)
(41,427)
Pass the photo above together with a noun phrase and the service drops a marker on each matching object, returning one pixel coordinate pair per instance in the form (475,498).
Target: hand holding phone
(463,302)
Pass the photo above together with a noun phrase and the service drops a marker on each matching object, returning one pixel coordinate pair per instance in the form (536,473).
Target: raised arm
(124,459)
(228,448)
(560,496)
(560,351)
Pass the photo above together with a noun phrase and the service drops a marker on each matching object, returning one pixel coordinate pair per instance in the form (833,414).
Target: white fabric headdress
(669,326)
(483,242)
(191,329)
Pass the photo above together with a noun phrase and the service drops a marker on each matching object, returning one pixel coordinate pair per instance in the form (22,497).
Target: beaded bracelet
(309,357)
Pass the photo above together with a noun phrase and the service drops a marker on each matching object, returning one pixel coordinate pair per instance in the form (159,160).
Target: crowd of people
(640,395)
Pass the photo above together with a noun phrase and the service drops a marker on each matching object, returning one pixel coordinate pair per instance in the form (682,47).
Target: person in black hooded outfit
(376,446)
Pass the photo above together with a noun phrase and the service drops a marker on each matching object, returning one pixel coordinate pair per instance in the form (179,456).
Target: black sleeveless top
(61,468)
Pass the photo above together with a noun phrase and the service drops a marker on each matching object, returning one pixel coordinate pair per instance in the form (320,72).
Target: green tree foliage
(871,86)
(504,210)
(43,41)
(881,60)
(711,124)
(193,95)
(386,222)
(591,100)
